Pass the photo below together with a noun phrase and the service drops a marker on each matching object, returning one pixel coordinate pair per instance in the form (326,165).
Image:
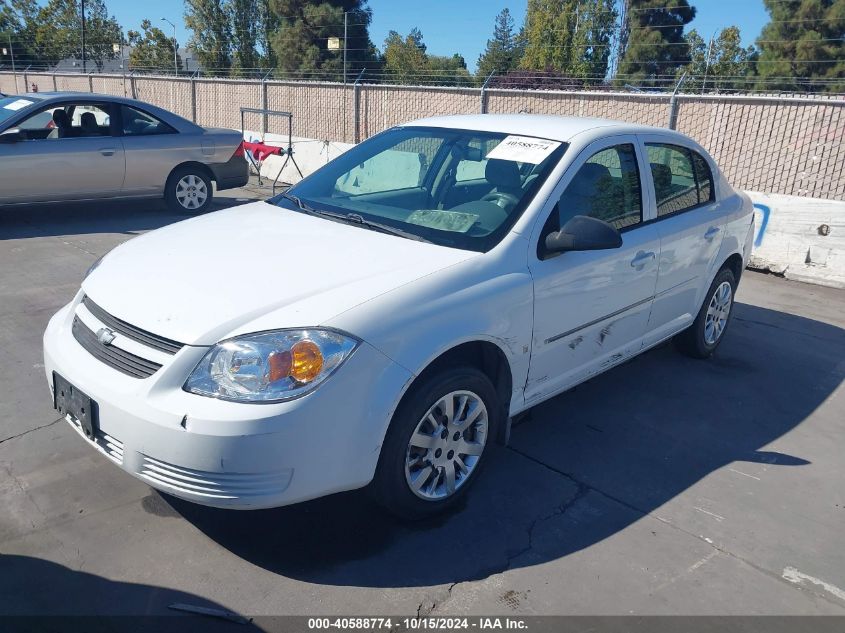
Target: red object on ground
(260,151)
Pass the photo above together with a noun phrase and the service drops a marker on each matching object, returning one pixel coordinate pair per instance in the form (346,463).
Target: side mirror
(12,135)
(583,233)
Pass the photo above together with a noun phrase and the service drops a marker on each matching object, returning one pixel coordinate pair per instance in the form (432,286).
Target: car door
(690,226)
(74,161)
(591,307)
(154,149)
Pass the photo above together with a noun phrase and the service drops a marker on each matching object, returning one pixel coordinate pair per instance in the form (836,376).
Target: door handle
(712,232)
(107,151)
(641,259)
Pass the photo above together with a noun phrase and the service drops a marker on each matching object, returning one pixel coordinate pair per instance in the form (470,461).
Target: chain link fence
(773,144)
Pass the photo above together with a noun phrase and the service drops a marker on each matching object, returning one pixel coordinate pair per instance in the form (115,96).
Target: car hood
(251,268)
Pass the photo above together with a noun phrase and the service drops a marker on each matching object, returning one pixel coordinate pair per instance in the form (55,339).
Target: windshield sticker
(524,149)
(443,220)
(17,105)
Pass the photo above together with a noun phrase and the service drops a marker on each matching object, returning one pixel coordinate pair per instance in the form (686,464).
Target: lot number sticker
(524,149)
(17,105)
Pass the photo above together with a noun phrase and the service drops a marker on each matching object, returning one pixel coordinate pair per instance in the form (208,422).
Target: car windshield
(9,106)
(457,188)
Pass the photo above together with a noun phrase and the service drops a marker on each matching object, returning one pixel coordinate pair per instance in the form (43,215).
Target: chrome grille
(212,485)
(130,331)
(114,357)
(112,447)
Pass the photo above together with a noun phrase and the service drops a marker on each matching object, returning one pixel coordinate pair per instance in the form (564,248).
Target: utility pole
(707,62)
(345,24)
(82,3)
(12,54)
(175,50)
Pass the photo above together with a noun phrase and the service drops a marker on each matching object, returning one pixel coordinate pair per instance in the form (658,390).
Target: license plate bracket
(68,400)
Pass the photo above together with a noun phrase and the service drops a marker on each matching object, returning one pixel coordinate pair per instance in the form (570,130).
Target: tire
(189,190)
(702,338)
(403,464)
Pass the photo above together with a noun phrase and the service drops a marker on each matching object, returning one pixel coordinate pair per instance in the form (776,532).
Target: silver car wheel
(446,445)
(191,192)
(718,312)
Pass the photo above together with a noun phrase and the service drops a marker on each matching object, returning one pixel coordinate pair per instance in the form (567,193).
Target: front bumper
(227,454)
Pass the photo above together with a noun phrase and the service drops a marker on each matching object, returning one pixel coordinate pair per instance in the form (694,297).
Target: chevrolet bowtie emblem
(105,336)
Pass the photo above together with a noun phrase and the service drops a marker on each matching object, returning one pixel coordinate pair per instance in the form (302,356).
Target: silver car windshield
(458,188)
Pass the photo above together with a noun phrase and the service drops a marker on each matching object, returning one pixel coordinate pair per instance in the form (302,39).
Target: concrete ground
(666,486)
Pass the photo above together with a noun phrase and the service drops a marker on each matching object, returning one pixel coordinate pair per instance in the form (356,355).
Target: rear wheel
(189,190)
(702,338)
(437,443)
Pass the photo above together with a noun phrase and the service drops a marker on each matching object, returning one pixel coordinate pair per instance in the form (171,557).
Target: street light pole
(175,50)
(345,21)
(82,7)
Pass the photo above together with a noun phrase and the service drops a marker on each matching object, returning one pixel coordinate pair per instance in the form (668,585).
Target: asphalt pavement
(666,486)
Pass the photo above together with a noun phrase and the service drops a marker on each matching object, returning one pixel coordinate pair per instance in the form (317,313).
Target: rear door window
(676,179)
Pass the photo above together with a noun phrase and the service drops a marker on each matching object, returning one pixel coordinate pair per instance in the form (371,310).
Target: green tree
(304,27)
(245,24)
(503,51)
(570,37)
(803,46)
(152,49)
(58,33)
(448,70)
(405,59)
(18,21)
(655,45)
(719,65)
(268,23)
(211,39)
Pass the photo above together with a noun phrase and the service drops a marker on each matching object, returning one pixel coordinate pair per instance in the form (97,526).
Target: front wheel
(436,443)
(188,190)
(702,338)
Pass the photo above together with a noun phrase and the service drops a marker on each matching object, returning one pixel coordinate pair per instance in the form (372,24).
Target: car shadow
(40,595)
(617,439)
(128,217)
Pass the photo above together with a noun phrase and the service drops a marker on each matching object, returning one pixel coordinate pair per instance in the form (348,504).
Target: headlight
(270,366)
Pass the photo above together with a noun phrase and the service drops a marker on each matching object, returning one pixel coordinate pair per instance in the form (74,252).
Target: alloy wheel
(718,312)
(446,445)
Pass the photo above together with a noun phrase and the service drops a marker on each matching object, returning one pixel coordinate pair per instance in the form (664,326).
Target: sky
(454,26)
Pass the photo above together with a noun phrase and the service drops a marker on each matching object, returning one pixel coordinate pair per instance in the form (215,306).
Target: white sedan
(382,321)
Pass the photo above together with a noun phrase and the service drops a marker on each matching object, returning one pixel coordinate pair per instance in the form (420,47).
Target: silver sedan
(76,146)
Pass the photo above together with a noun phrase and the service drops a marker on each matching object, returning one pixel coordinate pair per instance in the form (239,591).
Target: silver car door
(68,164)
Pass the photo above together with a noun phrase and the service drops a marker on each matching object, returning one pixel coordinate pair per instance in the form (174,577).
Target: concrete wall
(800,238)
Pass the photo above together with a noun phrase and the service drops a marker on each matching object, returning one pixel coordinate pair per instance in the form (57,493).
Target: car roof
(68,94)
(556,128)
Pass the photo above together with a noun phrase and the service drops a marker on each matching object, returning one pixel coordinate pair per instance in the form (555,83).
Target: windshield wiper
(352,218)
(384,228)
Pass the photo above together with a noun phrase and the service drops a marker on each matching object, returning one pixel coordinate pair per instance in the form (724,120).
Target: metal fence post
(673,103)
(132,85)
(55,85)
(25,80)
(356,105)
(264,102)
(91,82)
(194,96)
(484,93)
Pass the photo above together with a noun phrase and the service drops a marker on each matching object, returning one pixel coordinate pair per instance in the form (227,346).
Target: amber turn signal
(306,361)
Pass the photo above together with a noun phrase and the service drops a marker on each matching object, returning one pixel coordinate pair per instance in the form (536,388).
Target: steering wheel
(501,199)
